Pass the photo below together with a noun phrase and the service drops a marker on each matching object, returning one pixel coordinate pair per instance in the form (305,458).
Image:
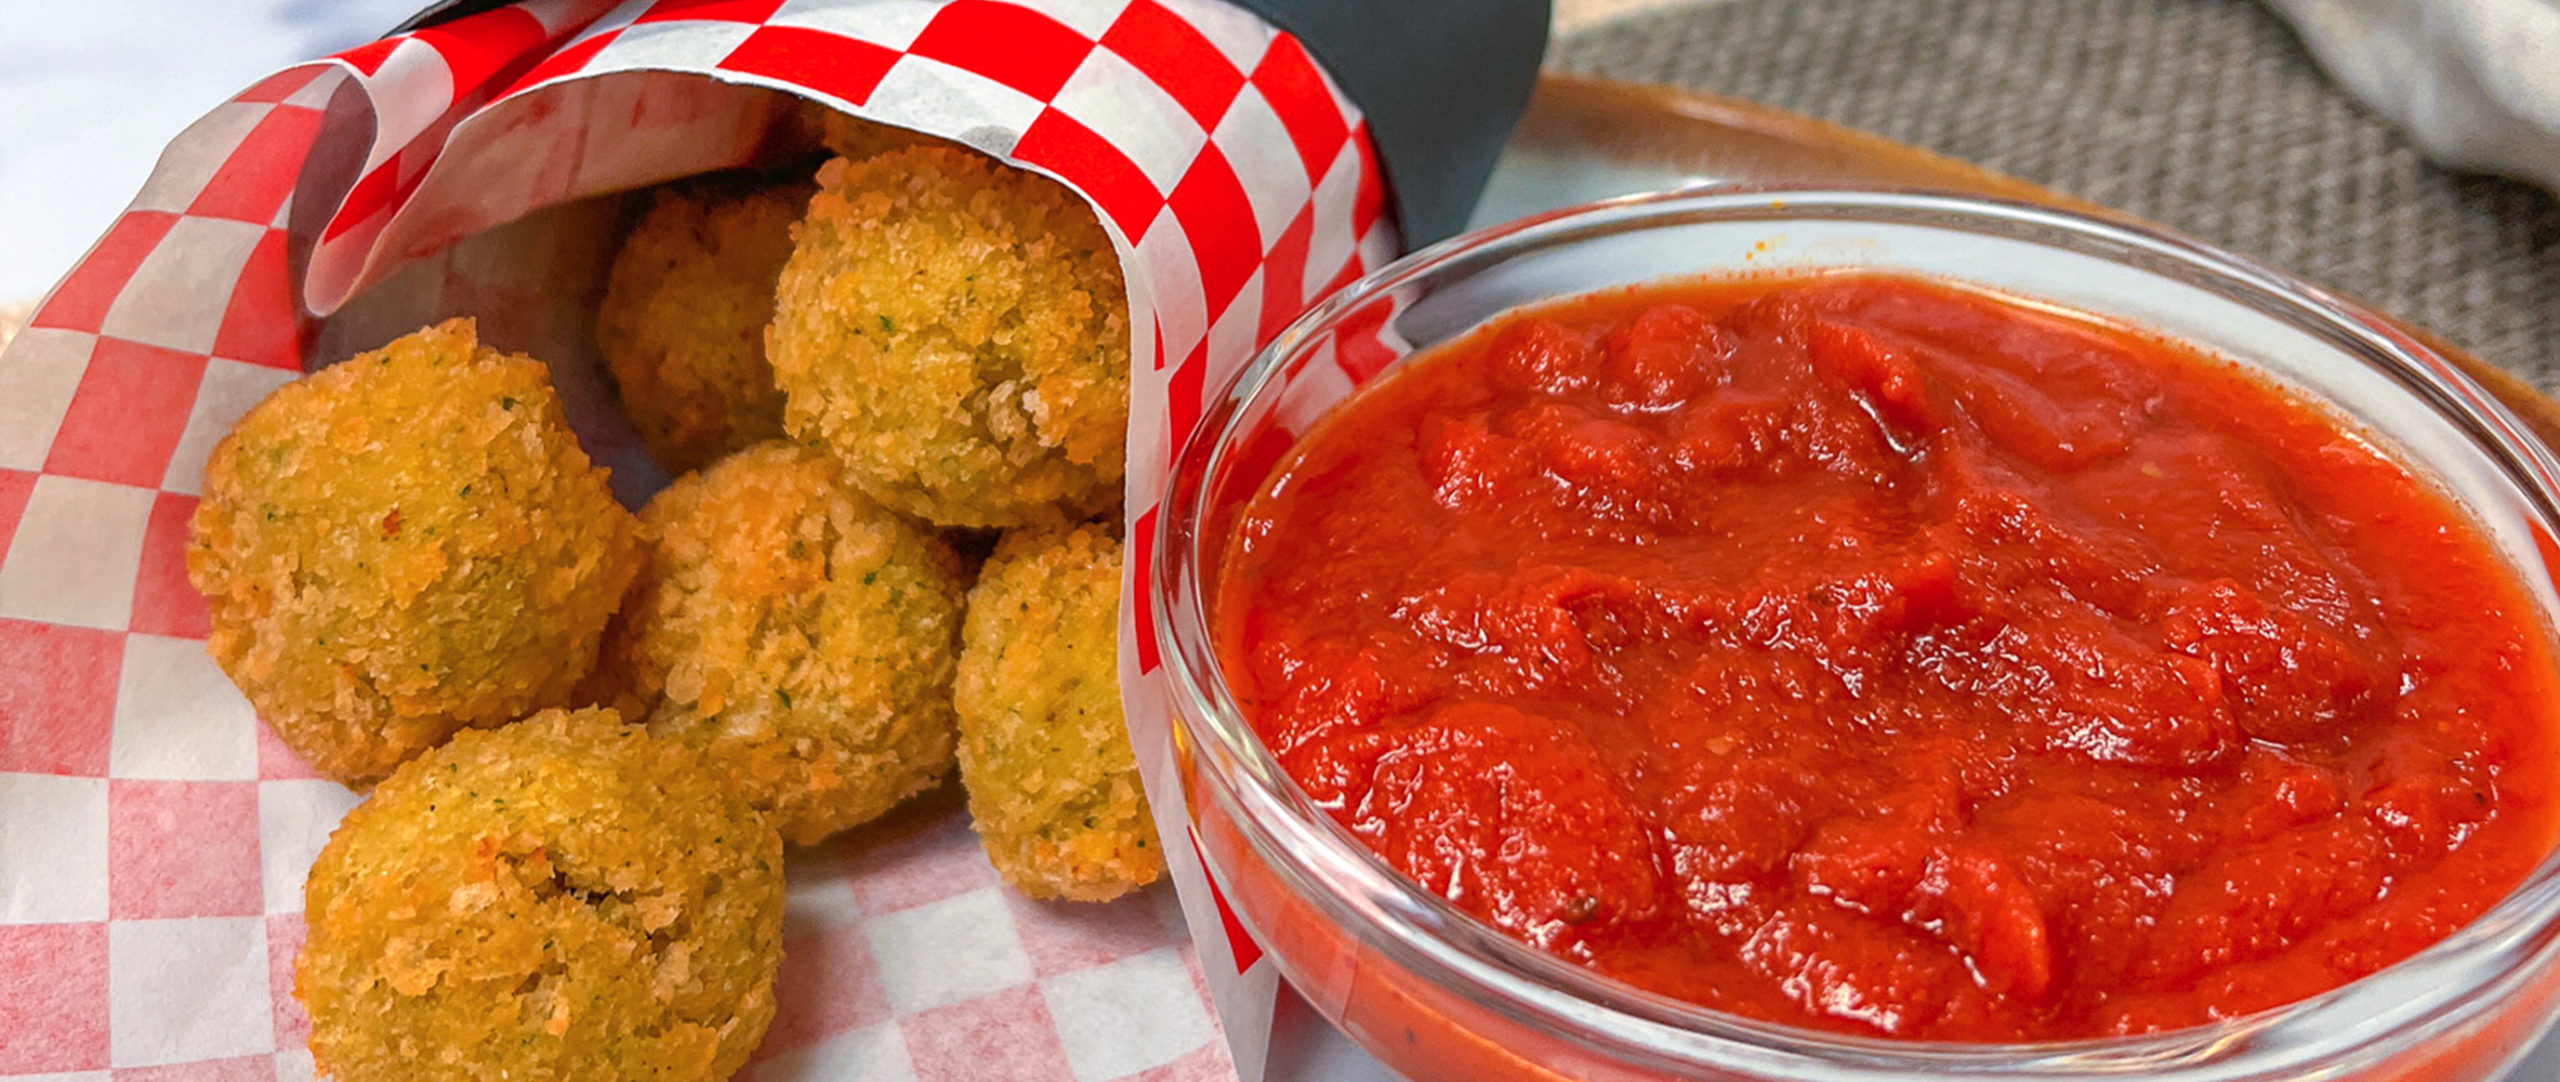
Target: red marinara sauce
(1859,652)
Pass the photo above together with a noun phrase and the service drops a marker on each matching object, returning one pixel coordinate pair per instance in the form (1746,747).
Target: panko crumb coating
(682,324)
(800,635)
(1053,785)
(564,899)
(955,331)
(404,545)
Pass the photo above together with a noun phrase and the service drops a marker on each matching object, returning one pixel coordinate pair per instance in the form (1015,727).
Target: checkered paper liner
(154,835)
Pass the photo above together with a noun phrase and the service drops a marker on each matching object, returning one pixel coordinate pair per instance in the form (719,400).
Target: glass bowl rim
(1538,989)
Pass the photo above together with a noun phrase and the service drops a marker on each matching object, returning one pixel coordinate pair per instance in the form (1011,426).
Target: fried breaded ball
(403,545)
(1053,784)
(567,899)
(955,331)
(799,634)
(682,324)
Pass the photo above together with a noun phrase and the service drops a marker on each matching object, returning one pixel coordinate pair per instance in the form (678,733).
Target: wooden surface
(1572,15)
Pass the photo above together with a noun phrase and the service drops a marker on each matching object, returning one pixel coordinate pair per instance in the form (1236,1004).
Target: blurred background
(90,92)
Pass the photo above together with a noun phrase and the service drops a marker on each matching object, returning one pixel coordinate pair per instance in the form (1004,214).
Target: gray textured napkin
(2206,115)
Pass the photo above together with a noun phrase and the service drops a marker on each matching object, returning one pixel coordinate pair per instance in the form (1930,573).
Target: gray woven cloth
(2204,115)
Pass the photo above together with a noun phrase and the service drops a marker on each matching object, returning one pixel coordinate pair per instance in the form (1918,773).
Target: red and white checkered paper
(154,836)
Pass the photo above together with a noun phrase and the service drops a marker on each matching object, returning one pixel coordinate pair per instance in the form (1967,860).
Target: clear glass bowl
(1437,995)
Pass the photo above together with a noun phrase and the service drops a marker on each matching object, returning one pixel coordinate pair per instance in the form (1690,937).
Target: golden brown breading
(955,331)
(406,544)
(564,899)
(802,636)
(682,324)
(1053,784)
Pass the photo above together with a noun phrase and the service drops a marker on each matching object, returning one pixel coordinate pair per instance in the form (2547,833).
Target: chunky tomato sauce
(1860,653)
